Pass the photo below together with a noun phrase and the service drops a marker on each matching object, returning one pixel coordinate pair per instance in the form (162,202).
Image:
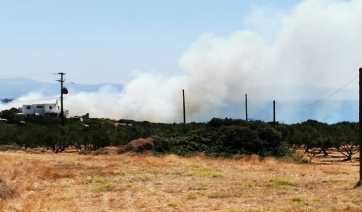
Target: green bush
(225,138)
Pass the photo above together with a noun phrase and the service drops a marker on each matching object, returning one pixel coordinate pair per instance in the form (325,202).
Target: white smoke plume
(316,43)
(31,98)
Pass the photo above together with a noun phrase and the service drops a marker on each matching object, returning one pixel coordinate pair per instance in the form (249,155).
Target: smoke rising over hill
(316,43)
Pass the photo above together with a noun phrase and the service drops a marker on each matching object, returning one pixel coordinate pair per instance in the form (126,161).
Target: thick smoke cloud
(319,43)
(316,43)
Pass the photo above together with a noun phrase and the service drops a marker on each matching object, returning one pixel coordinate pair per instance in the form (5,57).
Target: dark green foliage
(126,121)
(346,138)
(317,138)
(217,138)
(90,135)
(7,133)
(225,138)
(9,114)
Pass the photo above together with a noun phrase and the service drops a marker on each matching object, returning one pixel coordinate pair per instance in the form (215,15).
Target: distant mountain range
(11,88)
(16,87)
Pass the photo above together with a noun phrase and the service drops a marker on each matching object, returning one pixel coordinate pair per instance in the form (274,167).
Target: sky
(97,42)
(215,50)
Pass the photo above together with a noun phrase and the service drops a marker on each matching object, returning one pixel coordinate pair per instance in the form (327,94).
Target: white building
(44,109)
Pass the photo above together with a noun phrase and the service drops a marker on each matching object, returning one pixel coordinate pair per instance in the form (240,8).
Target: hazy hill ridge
(293,103)
(16,87)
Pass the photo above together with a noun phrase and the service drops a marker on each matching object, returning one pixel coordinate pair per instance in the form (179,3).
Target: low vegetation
(142,182)
(222,165)
(5,191)
(227,138)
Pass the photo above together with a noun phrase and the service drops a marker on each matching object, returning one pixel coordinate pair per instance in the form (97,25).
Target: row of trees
(318,138)
(228,137)
(218,137)
(90,134)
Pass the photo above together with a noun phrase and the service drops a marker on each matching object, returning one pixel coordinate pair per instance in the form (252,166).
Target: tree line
(218,137)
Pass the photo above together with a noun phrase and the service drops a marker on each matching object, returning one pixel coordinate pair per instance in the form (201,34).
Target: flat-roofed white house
(49,109)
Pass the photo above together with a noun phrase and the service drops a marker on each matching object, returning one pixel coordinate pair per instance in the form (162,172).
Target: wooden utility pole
(61,96)
(274,113)
(246,107)
(184,110)
(360,126)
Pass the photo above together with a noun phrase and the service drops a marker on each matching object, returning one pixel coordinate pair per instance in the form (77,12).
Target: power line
(331,94)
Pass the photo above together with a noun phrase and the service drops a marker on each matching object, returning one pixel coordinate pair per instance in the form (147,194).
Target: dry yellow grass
(71,182)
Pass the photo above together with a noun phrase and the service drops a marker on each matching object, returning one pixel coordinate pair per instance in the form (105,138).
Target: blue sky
(217,51)
(104,41)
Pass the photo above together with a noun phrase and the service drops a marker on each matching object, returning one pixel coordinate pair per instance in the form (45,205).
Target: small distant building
(46,109)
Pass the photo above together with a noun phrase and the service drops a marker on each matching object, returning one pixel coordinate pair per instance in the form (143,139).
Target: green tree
(346,137)
(9,114)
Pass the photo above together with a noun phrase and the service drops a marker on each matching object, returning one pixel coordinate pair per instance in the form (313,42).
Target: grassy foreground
(72,182)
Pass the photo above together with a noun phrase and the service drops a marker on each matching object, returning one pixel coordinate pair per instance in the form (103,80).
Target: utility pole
(184,110)
(360,127)
(274,113)
(246,107)
(61,96)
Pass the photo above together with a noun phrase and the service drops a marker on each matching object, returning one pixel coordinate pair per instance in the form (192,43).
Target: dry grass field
(131,182)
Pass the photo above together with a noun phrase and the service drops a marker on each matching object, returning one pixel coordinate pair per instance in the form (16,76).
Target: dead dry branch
(138,146)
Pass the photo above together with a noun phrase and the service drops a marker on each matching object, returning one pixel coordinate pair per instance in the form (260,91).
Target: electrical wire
(237,98)
(331,94)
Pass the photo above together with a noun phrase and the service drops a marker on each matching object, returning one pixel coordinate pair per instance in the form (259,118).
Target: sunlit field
(131,182)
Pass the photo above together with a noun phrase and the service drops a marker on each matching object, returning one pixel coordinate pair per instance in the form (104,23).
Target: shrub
(107,188)
(5,190)
(297,199)
(139,145)
(191,196)
(101,151)
(225,138)
(84,152)
(174,204)
(9,147)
